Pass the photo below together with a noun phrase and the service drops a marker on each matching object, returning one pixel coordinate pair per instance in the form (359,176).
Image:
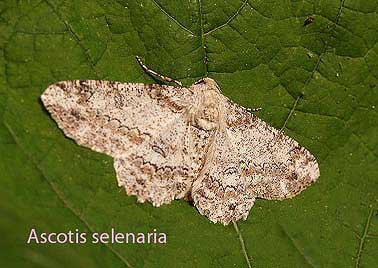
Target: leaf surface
(317,82)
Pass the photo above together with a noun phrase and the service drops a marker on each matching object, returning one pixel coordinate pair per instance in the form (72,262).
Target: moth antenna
(253,110)
(153,73)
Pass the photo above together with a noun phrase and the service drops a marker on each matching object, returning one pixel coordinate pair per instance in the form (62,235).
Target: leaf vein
(315,67)
(297,247)
(203,38)
(363,238)
(75,37)
(291,111)
(229,19)
(242,244)
(172,17)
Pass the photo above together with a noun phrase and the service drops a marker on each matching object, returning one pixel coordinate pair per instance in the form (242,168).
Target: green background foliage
(319,83)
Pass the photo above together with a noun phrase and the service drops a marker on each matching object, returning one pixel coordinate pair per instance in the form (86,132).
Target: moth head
(208,84)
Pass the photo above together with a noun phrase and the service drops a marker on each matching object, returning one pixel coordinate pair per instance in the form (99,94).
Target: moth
(173,142)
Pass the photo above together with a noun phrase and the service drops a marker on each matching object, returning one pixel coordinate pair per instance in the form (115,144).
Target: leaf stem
(242,243)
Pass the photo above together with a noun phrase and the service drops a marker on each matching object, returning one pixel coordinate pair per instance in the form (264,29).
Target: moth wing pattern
(176,142)
(250,160)
(275,165)
(220,192)
(141,174)
(141,126)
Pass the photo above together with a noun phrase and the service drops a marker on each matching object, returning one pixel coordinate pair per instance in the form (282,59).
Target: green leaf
(318,82)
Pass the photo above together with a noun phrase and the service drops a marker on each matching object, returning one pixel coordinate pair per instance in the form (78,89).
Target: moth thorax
(207,116)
